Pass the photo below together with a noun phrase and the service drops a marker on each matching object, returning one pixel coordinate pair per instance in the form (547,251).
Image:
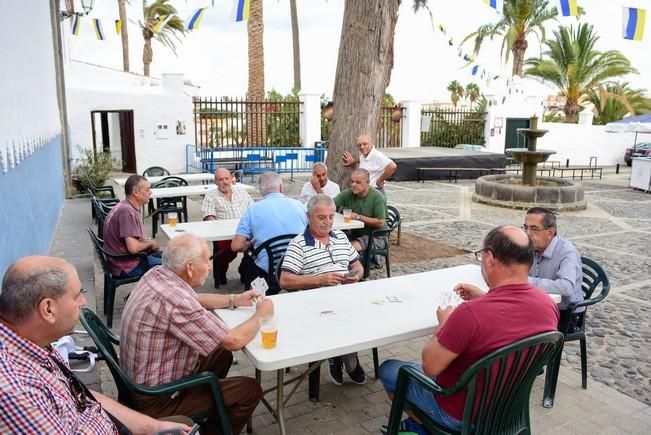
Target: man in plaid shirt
(40,302)
(169,332)
(226,202)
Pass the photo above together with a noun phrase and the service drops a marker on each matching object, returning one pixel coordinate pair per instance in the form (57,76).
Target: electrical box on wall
(162,131)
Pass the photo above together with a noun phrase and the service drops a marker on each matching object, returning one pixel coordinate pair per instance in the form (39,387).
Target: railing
(237,123)
(450,127)
(252,160)
(389,131)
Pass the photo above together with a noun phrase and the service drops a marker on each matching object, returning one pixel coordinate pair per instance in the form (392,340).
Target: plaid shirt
(216,204)
(35,396)
(165,329)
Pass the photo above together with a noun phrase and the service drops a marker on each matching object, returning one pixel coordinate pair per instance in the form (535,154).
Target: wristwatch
(358,217)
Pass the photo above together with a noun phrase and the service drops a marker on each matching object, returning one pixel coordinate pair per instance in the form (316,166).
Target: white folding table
(224,229)
(190,178)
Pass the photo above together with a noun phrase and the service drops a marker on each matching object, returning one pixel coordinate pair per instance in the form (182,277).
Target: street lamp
(86,5)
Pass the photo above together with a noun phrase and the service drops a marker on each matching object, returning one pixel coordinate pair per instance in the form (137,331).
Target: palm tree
(256,125)
(472,93)
(616,100)
(124,35)
(295,45)
(520,19)
(456,92)
(575,66)
(166,35)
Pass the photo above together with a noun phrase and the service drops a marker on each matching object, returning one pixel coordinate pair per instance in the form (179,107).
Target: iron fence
(450,127)
(389,131)
(220,123)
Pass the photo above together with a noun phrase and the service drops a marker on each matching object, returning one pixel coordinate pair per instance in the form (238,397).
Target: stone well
(552,193)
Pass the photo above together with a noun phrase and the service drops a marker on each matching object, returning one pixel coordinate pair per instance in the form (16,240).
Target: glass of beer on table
(348,213)
(269,332)
(173,219)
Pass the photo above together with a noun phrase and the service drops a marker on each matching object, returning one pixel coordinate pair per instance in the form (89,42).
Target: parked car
(640,150)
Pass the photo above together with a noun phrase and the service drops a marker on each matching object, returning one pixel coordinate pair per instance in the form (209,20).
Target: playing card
(447,299)
(260,286)
(393,299)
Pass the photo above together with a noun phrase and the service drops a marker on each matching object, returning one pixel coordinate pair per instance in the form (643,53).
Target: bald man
(225,202)
(40,302)
(379,166)
(512,310)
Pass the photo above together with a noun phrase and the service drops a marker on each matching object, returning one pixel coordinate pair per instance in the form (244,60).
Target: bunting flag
(195,21)
(474,70)
(76,24)
(442,29)
(97,26)
(634,20)
(241,10)
(498,5)
(162,21)
(468,58)
(569,8)
(118,27)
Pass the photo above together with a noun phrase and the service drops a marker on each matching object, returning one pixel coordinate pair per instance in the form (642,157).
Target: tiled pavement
(613,230)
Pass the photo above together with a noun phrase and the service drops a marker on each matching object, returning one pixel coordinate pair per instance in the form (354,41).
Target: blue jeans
(152,260)
(420,397)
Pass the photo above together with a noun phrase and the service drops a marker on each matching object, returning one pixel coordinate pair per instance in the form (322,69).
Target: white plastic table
(190,178)
(224,229)
(167,192)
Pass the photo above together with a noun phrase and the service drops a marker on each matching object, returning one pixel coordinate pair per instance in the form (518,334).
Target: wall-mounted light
(498,123)
(86,6)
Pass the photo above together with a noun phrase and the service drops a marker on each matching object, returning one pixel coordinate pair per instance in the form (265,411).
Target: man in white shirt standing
(319,184)
(225,202)
(379,166)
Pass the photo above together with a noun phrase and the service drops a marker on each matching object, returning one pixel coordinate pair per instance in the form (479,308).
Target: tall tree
(573,64)
(363,72)
(295,46)
(256,125)
(472,93)
(520,19)
(616,100)
(124,35)
(456,91)
(168,34)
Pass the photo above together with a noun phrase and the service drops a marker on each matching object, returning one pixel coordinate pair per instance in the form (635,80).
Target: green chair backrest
(593,275)
(275,249)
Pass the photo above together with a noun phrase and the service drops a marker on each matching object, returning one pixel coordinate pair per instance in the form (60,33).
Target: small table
(190,178)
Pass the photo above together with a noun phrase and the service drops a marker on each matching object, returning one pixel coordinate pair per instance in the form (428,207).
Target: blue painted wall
(31,198)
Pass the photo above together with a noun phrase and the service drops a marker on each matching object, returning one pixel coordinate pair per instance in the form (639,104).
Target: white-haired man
(322,257)
(379,166)
(273,216)
(169,332)
(225,202)
(319,183)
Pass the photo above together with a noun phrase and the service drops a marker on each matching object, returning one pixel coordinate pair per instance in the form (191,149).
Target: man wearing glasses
(322,257)
(557,264)
(40,302)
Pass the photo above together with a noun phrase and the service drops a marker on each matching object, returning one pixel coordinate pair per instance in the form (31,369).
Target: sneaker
(357,375)
(335,371)
(407,427)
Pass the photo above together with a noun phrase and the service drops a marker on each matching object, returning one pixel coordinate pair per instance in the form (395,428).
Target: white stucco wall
(96,88)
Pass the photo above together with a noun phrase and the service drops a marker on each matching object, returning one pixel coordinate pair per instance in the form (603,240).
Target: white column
(310,119)
(411,126)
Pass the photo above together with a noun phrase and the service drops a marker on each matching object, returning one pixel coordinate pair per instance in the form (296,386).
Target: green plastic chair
(393,222)
(275,249)
(104,339)
(594,276)
(500,406)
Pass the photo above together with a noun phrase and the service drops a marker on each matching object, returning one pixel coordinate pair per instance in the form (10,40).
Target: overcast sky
(215,55)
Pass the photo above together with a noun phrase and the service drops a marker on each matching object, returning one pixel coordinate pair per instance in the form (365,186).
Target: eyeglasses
(77,389)
(526,227)
(480,253)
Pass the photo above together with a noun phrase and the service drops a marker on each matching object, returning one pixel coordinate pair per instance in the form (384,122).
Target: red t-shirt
(123,221)
(504,315)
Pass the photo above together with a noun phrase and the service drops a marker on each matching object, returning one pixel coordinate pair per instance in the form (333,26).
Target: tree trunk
(571,111)
(363,73)
(256,125)
(124,35)
(519,48)
(147,55)
(296,46)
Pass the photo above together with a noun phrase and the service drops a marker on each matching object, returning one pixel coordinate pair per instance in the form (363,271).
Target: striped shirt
(35,396)
(165,329)
(216,204)
(306,255)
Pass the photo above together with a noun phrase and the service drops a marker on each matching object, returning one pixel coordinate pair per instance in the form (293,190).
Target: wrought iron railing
(447,127)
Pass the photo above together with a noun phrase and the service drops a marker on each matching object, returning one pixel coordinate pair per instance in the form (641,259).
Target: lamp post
(86,6)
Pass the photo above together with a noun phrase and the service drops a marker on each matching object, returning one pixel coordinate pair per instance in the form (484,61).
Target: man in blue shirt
(273,216)
(557,264)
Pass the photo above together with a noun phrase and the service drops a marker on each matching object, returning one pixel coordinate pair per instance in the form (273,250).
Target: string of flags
(568,8)
(634,20)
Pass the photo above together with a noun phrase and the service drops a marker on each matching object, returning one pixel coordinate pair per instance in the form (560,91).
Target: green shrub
(95,166)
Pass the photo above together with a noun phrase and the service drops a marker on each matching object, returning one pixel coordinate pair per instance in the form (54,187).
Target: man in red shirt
(512,310)
(124,231)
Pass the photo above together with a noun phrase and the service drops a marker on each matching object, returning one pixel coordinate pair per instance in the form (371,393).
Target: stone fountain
(530,190)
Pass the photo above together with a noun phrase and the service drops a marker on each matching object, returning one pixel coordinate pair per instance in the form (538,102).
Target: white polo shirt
(305,255)
(331,189)
(375,163)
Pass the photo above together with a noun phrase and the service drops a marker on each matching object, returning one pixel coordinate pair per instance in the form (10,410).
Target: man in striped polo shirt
(322,257)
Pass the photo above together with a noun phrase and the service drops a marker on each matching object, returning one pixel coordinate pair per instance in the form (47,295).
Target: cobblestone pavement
(613,230)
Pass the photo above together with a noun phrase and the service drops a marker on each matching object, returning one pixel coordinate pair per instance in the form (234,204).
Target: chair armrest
(142,257)
(585,303)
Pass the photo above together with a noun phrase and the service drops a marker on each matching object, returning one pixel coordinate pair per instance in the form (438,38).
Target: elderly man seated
(322,257)
(319,183)
(169,332)
(226,202)
(512,310)
(40,302)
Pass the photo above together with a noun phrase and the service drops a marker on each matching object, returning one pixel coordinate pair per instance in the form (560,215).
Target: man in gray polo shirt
(322,257)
